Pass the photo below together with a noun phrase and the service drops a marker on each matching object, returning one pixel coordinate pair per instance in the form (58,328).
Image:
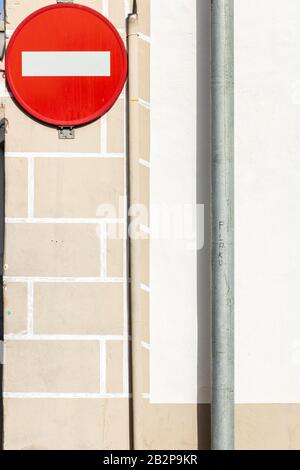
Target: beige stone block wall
(30,136)
(114,366)
(115,134)
(52,366)
(66,332)
(144,69)
(16,171)
(89,309)
(60,424)
(17,10)
(52,250)
(15,309)
(74,187)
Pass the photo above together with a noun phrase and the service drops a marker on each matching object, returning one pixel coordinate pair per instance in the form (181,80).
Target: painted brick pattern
(66,353)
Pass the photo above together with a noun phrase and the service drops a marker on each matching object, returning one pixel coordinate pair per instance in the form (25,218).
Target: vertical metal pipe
(133,191)
(223,225)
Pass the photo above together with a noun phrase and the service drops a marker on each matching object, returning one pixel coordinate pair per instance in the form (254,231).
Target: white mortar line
(57,337)
(127,8)
(144,103)
(145,345)
(105,8)
(4,93)
(146,396)
(103,251)
(63,155)
(145,288)
(104,134)
(67,280)
(9,33)
(30,308)
(26,395)
(144,37)
(30,186)
(102,352)
(145,229)
(35,220)
(144,163)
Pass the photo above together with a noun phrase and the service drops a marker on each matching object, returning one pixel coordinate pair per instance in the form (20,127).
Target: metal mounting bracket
(66,133)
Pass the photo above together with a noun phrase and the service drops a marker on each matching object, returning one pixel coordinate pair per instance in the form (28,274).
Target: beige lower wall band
(258,427)
(267,427)
(93,424)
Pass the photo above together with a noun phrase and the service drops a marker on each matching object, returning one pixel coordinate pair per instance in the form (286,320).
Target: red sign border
(78,122)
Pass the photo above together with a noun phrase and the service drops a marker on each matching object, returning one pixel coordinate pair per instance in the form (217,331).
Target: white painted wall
(267,43)
(267,115)
(177,317)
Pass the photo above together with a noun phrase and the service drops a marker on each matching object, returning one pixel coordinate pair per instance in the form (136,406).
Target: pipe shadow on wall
(203,197)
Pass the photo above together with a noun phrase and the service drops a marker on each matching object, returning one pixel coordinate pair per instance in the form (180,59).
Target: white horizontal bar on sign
(66,64)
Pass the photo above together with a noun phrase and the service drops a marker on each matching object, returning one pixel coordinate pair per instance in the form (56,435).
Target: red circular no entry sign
(66,65)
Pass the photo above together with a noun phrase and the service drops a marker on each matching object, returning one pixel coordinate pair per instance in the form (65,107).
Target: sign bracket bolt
(66,133)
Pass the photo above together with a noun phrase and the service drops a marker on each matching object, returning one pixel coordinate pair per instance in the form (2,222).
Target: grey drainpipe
(222,225)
